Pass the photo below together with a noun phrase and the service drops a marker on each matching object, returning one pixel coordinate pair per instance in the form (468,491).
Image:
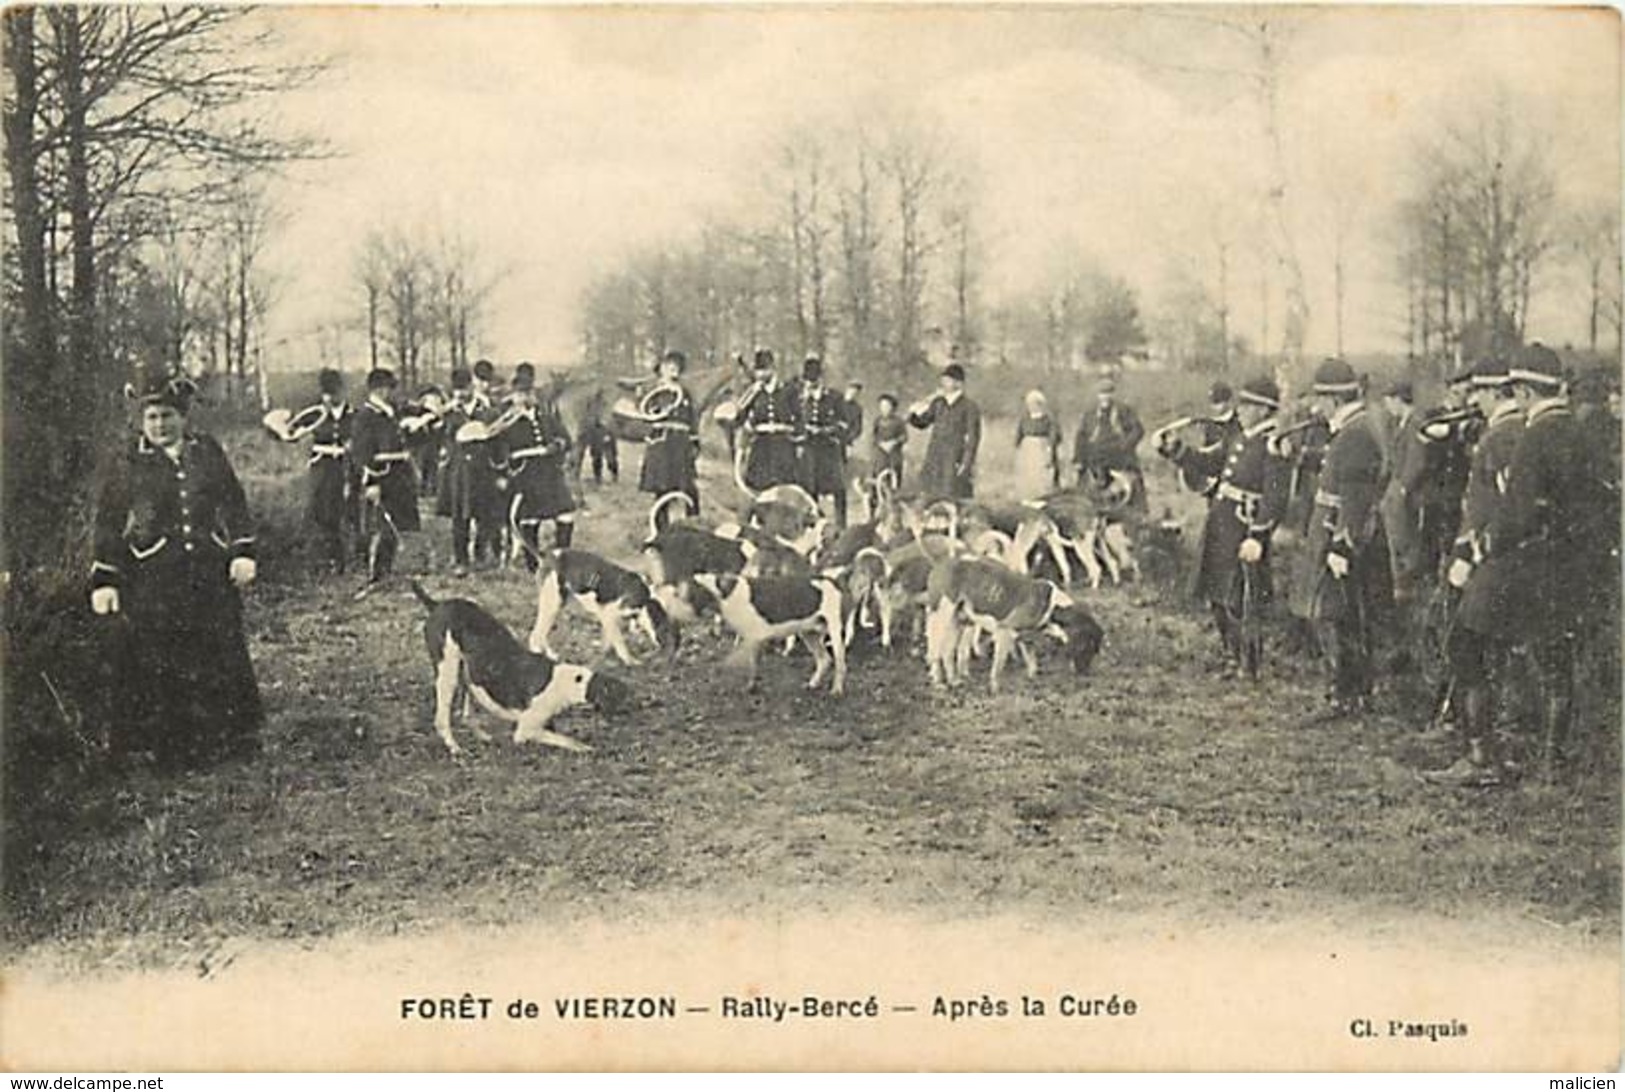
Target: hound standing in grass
(475,654)
(611,594)
(768,608)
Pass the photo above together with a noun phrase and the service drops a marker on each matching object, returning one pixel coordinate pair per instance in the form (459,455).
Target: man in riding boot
(1346,538)
(1475,648)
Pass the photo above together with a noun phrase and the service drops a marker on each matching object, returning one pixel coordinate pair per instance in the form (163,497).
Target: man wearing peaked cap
(1547,547)
(1107,442)
(468,493)
(822,413)
(389,485)
(532,447)
(1402,499)
(1352,588)
(769,417)
(330,505)
(1249,495)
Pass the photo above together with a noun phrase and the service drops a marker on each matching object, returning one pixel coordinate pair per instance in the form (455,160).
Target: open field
(1144,787)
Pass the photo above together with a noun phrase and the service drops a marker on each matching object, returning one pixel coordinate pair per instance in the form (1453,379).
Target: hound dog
(1007,604)
(770,607)
(475,654)
(611,594)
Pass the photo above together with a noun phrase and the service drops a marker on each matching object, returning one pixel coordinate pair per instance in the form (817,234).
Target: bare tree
(1593,236)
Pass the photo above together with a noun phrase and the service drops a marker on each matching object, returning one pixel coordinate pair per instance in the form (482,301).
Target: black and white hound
(611,594)
(474,654)
(767,608)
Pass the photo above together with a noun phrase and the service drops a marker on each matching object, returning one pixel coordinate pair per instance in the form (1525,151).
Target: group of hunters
(1506,497)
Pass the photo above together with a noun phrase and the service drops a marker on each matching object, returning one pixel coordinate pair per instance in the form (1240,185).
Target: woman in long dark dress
(174,546)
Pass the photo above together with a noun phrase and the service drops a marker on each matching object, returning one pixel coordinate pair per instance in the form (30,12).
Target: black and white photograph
(789,537)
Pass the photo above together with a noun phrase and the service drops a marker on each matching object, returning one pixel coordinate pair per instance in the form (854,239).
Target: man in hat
(1251,477)
(1105,449)
(949,467)
(852,414)
(173,548)
(1536,582)
(674,442)
(822,439)
(1346,539)
(1475,651)
(533,447)
(1216,436)
(1447,435)
(468,492)
(330,497)
(389,487)
(769,417)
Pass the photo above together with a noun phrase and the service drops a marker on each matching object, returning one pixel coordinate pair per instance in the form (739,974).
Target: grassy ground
(1145,786)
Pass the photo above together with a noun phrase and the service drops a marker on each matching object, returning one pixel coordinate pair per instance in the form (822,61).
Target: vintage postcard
(790,537)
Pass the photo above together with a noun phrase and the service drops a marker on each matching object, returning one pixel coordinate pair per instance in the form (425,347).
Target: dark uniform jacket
(949,469)
(533,452)
(1250,481)
(166,532)
(1346,520)
(668,460)
(770,417)
(1539,573)
(1218,438)
(468,478)
(1448,437)
(328,427)
(379,450)
(823,415)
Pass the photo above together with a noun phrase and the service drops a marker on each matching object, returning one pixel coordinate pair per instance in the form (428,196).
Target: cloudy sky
(558,141)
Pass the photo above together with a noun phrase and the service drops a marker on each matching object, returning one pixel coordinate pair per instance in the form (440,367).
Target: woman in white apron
(1038,440)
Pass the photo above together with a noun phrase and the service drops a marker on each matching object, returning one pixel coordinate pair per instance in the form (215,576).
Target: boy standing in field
(889,435)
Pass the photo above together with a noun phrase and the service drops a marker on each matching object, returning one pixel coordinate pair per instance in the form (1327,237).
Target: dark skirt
(325,505)
(399,489)
(668,465)
(186,689)
(823,467)
(771,461)
(538,490)
(1217,578)
(468,486)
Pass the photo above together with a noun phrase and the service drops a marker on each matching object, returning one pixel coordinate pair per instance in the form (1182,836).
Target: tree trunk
(79,383)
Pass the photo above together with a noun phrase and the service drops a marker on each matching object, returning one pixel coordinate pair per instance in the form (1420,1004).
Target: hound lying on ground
(475,654)
(967,595)
(608,592)
(770,607)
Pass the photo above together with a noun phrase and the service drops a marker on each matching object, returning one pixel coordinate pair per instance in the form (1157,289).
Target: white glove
(1251,551)
(374,494)
(1460,569)
(1338,564)
(104,600)
(243,571)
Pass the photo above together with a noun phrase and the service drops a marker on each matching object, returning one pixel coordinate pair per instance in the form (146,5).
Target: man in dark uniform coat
(468,492)
(1249,494)
(1406,460)
(174,545)
(388,485)
(674,442)
(823,416)
(768,417)
(1447,435)
(1108,437)
(533,448)
(1538,576)
(1352,582)
(329,497)
(1474,655)
(949,467)
(1216,434)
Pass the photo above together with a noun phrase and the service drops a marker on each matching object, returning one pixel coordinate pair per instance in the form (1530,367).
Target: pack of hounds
(960,574)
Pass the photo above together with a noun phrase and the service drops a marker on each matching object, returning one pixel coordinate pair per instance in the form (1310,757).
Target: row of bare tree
(1484,223)
(135,149)
(865,246)
(425,293)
